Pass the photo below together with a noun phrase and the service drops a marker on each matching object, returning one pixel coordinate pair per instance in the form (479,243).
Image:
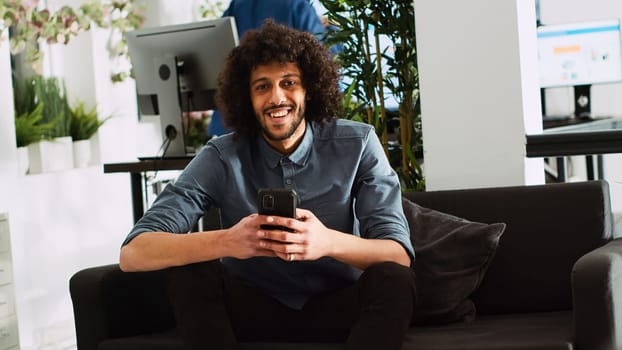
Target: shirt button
(288,181)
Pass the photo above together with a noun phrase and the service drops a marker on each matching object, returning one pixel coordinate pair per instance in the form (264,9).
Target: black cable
(164,147)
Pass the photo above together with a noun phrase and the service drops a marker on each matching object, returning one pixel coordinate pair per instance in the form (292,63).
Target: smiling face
(278,99)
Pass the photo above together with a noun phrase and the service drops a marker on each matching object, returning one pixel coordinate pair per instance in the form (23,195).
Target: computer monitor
(176,68)
(580,55)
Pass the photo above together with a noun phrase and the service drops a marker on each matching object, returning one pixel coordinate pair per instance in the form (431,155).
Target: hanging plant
(31,25)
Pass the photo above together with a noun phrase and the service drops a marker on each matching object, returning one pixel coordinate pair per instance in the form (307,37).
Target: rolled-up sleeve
(183,202)
(378,194)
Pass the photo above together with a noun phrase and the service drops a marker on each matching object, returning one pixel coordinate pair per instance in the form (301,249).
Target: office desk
(593,138)
(138,169)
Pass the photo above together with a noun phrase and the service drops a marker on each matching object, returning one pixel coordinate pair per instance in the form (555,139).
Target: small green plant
(29,129)
(84,123)
(51,93)
(48,95)
(23,95)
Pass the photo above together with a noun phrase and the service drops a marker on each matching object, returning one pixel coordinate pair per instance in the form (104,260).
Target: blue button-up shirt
(297,14)
(340,173)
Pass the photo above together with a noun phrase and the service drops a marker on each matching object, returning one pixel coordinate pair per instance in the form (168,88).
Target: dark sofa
(554,281)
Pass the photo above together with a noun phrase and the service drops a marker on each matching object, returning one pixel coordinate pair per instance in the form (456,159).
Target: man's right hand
(243,241)
(158,250)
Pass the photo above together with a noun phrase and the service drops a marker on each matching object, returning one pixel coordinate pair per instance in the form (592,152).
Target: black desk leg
(137,196)
(601,167)
(561,169)
(589,164)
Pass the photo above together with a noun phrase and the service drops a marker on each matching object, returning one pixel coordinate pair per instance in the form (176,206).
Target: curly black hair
(278,43)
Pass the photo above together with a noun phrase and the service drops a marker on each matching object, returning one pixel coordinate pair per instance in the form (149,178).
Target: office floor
(60,336)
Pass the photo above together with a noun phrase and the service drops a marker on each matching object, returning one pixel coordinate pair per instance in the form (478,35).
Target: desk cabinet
(8,317)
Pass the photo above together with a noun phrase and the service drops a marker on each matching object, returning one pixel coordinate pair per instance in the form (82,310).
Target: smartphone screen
(277,202)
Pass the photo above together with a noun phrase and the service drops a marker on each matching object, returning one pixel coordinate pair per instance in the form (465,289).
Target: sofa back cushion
(548,228)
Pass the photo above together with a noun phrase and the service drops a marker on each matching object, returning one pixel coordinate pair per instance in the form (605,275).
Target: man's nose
(278,95)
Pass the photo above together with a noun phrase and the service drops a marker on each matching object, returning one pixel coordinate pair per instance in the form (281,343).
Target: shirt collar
(298,157)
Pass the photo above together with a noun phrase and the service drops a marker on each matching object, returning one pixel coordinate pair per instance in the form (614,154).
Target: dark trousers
(214,310)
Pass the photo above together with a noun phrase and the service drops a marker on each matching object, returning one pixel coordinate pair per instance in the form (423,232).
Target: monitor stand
(167,89)
(582,102)
(582,106)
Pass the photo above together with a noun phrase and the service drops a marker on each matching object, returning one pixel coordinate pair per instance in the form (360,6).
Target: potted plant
(84,123)
(379,59)
(29,130)
(54,150)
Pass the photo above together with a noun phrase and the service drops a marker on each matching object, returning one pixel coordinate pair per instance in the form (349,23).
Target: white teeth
(278,114)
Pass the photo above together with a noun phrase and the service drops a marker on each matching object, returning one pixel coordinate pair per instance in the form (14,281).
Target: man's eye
(261,87)
(289,83)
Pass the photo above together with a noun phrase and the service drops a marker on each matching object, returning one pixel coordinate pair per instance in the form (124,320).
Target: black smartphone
(278,202)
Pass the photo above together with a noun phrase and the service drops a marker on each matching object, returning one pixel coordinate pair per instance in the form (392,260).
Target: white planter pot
(22,160)
(81,153)
(53,155)
(95,151)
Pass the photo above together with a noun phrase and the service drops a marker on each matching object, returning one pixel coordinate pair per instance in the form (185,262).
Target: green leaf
(29,129)
(394,21)
(84,123)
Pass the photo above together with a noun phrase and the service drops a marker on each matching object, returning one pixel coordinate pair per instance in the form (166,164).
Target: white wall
(64,221)
(165,12)
(477,63)
(478,78)
(8,158)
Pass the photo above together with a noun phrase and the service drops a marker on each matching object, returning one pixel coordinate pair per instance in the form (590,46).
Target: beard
(292,129)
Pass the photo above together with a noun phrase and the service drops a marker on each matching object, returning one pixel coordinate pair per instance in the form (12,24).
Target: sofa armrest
(597,298)
(110,303)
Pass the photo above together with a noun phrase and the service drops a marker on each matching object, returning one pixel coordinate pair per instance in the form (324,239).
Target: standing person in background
(297,14)
(250,14)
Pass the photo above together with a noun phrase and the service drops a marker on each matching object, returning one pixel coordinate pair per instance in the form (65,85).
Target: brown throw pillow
(451,258)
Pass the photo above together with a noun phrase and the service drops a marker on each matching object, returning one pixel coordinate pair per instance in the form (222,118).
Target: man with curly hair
(340,271)
(250,14)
